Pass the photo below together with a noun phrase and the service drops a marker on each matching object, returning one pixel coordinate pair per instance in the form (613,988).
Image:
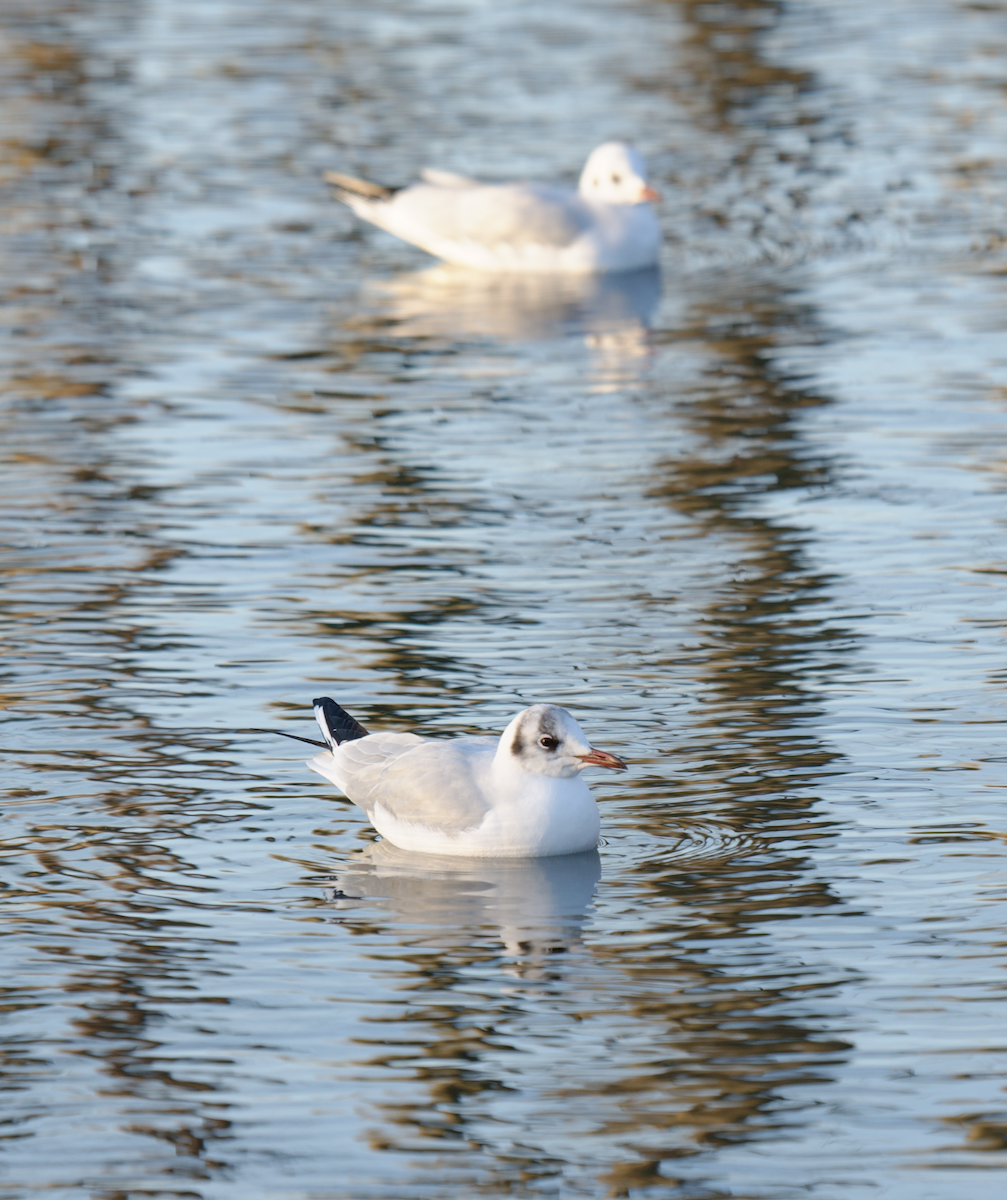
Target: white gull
(516,796)
(607,224)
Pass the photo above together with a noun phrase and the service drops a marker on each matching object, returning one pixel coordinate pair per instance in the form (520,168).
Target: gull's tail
(347,187)
(336,724)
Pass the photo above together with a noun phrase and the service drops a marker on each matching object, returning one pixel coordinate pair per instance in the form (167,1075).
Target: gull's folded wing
(439,784)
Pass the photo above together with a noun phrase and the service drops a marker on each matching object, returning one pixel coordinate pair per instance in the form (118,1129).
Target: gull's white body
(473,796)
(600,227)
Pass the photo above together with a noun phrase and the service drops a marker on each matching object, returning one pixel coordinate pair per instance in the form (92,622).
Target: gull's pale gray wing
(432,783)
(356,765)
(513,215)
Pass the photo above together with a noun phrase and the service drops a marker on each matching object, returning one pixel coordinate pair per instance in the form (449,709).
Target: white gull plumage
(516,796)
(607,224)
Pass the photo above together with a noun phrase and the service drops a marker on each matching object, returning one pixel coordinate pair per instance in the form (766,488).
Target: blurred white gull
(607,224)
(516,796)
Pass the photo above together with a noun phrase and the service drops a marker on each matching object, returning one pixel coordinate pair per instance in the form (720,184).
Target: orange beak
(602,758)
(649,193)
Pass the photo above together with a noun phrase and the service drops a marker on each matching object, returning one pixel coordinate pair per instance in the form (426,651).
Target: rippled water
(745,518)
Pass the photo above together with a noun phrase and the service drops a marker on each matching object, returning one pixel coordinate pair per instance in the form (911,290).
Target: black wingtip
(336,724)
(363,188)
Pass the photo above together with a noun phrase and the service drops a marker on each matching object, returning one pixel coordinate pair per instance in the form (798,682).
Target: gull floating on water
(516,796)
(607,224)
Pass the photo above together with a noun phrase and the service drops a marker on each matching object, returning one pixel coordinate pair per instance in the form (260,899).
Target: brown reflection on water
(750,768)
(761,647)
(722,61)
(760,127)
(58,157)
(101,899)
(120,1004)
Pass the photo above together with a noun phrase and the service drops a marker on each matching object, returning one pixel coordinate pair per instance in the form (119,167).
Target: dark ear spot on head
(518,743)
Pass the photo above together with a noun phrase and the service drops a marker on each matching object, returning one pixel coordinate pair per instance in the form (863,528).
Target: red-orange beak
(649,193)
(602,758)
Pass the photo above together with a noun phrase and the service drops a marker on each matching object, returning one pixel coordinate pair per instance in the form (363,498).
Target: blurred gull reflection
(536,906)
(447,301)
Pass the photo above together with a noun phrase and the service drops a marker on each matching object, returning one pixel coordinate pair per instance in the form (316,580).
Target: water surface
(744,518)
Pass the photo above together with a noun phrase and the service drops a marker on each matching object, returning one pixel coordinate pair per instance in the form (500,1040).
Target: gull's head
(546,740)
(615,174)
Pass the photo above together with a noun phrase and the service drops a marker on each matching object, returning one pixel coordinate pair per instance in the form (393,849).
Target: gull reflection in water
(613,313)
(534,907)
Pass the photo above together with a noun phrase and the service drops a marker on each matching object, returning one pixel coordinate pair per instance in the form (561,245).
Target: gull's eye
(548,742)
(617,179)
